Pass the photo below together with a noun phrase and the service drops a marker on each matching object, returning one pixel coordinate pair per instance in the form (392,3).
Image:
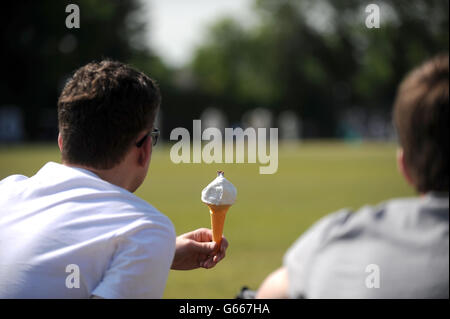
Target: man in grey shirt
(398,249)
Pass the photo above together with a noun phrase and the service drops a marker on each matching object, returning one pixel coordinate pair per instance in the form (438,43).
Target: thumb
(205,248)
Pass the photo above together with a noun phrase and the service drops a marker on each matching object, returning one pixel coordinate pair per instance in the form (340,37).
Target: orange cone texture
(218,213)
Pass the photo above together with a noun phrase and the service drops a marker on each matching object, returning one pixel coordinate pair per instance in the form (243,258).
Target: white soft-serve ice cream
(219,192)
(219,195)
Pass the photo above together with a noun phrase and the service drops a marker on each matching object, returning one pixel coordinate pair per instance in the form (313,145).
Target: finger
(211,261)
(223,248)
(206,248)
(222,253)
(219,256)
(207,261)
(224,245)
(205,234)
(208,264)
(202,235)
(203,264)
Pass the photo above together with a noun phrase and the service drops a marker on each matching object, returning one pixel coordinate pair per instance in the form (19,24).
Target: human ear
(145,152)
(60,142)
(403,167)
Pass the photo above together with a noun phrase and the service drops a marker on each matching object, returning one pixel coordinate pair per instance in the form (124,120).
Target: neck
(117,175)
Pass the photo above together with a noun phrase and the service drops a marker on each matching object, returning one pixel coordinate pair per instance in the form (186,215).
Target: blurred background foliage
(315,58)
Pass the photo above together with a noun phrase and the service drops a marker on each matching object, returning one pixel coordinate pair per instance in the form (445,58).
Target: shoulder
(399,214)
(9,186)
(368,220)
(12,179)
(144,250)
(146,217)
(92,191)
(347,224)
(299,258)
(115,206)
(372,216)
(142,217)
(319,233)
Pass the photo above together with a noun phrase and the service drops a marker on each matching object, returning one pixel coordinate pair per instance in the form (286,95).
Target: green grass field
(271,211)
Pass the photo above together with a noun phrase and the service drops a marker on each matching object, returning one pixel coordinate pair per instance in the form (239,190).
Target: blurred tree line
(314,57)
(40,53)
(318,58)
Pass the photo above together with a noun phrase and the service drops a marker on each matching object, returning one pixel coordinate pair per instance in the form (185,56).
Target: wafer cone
(218,213)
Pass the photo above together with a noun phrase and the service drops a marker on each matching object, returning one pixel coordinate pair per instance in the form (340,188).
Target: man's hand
(196,249)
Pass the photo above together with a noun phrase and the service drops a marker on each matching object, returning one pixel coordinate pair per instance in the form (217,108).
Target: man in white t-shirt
(398,249)
(75,230)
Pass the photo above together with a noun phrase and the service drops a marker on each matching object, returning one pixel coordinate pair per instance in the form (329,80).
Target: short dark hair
(102,109)
(421,115)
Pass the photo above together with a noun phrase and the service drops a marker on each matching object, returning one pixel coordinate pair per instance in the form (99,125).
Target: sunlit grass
(271,211)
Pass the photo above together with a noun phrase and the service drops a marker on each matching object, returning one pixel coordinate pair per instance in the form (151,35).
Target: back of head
(101,110)
(421,115)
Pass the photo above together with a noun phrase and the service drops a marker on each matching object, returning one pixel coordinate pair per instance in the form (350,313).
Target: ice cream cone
(218,213)
(219,195)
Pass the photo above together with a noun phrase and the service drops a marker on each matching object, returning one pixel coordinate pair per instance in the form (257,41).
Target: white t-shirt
(65,226)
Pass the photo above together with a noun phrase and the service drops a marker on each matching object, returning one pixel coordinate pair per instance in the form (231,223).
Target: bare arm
(275,286)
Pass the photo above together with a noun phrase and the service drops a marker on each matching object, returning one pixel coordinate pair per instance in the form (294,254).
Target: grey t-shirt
(399,249)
